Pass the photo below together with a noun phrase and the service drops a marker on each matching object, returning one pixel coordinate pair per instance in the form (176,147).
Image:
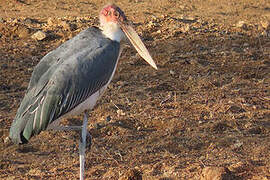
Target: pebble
(202,158)
(7,140)
(1,20)
(185,28)
(23,32)
(15,21)
(34,172)
(108,118)
(241,24)
(217,173)
(4,66)
(245,44)
(260,177)
(152,24)
(28,21)
(172,72)
(131,174)
(120,112)
(67,26)
(39,35)
(10,178)
(238,144)
(265,33)
(265,24)
(50,21)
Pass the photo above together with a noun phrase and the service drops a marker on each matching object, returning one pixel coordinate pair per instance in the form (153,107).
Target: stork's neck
(112,31)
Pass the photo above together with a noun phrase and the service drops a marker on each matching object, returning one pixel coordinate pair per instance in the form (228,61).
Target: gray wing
(64,51)
(62,87)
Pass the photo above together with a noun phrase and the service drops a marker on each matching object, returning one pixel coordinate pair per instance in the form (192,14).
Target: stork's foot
(65,128)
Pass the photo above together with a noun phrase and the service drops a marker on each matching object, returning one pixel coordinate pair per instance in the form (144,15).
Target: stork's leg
(85,138)
(82,145)
(55,125)
(65,128)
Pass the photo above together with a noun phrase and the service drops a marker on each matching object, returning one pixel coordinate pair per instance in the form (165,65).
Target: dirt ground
(208,104)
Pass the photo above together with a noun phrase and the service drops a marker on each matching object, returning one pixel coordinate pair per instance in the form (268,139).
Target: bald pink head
(112,13)
(114,25)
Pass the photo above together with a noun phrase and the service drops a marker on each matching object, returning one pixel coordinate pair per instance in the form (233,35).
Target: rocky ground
(204,114)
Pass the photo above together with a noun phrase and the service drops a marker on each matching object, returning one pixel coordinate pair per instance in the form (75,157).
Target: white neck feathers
(112,31)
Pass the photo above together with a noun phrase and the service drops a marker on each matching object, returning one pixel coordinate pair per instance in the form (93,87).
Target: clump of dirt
(208,105)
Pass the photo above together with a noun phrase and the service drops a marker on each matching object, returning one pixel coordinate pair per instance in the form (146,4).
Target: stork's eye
(116,14)
(105,13)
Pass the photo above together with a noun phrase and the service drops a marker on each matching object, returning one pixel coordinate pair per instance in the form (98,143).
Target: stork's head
(111,14)
(115,26)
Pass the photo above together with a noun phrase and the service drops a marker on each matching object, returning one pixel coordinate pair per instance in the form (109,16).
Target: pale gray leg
(65,128)
(55,125)
(85,138)
(82,145)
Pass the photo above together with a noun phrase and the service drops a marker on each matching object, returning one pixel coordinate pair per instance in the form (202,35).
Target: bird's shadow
(26,148)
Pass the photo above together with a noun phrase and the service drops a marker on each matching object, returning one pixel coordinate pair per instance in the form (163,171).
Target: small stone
(131,174)
(28,21)
(120,83)
(265,33)
(34,172)
(238,144)
(185,28)
(7,140)
(51,22)
(152,24)
(15,21)
(241,24)
(40,35)
(11,178)
(193,61)
(24,84)
(259,177)
(236,166)
(4,66)
(202,158)
(67,26)
(120,112)
(109,174)
(255,130)
(265,24)
(190,78)
(217,173)
(172,72)
(23,32)
(246,45)
(1,20)
(108,118)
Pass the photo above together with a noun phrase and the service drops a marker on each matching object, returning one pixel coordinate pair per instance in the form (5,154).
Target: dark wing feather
(64,85)
(64,51)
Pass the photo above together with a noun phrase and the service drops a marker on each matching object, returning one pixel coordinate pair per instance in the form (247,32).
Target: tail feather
(33,116)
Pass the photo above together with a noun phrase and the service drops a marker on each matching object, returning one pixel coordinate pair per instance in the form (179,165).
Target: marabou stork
(70,79)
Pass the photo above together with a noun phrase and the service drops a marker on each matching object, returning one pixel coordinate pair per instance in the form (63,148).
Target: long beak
(138,44)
